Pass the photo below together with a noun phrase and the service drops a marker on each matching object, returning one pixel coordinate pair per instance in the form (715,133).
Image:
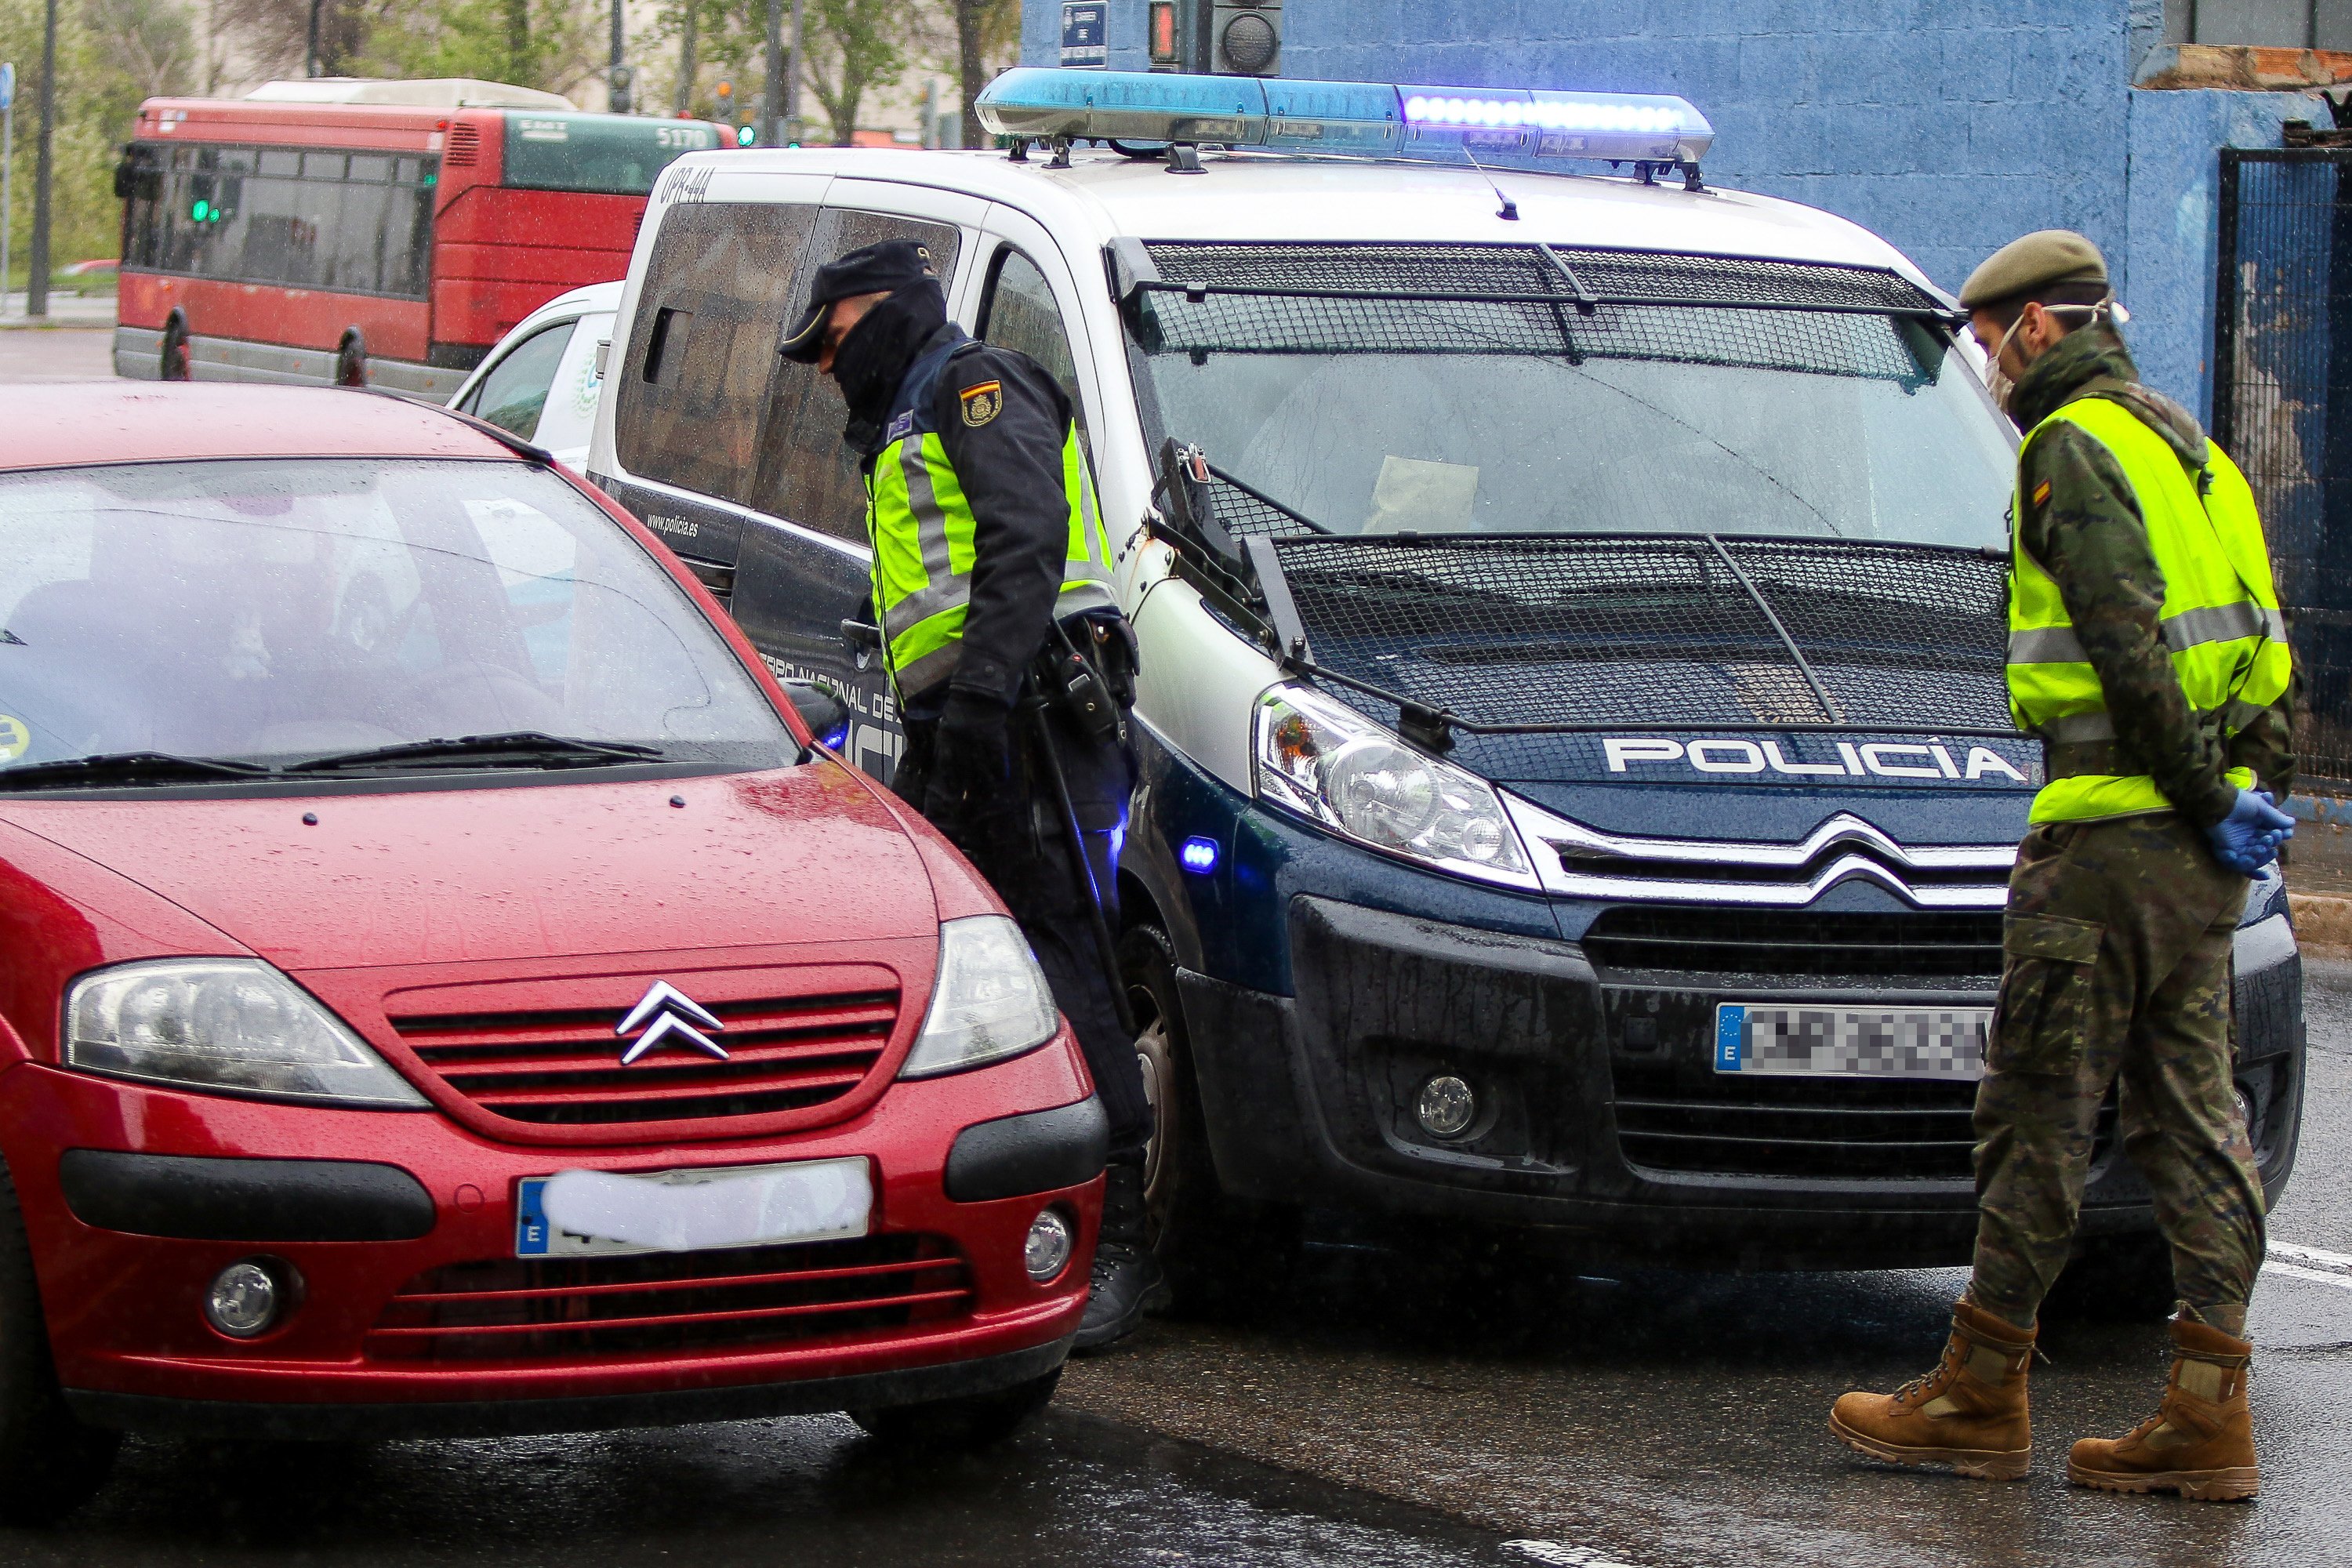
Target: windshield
(274,612)
(1454,417)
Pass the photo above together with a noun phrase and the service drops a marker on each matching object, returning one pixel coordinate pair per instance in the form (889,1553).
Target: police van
(1578,782)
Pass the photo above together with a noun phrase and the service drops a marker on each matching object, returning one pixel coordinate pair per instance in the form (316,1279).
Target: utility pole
(7,169)
(618,79)
(36,286)
(772,105)
(311,54)
(793,81)
(686,63)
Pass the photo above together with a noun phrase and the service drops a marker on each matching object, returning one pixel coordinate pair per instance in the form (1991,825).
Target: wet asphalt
(1394,1408)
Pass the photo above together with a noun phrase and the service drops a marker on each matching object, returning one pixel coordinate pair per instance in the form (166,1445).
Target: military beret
(2032,263)
(880,269)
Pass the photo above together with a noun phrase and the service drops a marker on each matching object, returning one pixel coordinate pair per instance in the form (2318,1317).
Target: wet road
(57,353)
(1388,1413)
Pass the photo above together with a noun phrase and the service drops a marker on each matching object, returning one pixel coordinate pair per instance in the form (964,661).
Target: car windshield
(1455,417)
(278,611)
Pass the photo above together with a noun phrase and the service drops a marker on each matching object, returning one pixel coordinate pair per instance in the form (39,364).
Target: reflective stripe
(2046,645)
(2219,622)
(2191,628)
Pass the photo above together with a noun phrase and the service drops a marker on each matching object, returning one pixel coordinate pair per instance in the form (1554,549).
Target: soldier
(989,553)
(2146,651)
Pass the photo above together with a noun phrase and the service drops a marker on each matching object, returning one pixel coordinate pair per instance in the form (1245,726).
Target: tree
(848,46)
(988,38)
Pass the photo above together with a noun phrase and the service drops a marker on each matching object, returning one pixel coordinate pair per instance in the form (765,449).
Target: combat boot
(1969,1413)
(2199,1443)
(1126,1279)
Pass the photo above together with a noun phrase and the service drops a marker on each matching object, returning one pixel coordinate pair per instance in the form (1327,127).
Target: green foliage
(529,43)
(111,53)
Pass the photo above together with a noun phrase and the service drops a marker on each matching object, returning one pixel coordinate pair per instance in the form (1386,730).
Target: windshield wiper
(128,768)
(527,748)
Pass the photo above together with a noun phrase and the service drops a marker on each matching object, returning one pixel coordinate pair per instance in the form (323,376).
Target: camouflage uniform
(2117,938)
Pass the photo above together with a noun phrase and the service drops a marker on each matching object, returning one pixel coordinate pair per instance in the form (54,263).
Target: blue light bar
(1365,119)
(1199,855)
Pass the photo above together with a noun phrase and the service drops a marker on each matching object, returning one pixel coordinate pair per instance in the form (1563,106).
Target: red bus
(378,242)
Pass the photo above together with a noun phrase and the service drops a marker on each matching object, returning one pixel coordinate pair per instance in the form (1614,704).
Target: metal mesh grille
(1737,280)
(1817,344)
(1443,270)
(2283,386)
(1637,630)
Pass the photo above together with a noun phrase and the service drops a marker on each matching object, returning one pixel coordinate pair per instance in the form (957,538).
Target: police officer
(989,555)
(2146,651)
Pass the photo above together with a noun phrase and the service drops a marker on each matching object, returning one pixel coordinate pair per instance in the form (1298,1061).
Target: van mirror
(864,641)
(822,709)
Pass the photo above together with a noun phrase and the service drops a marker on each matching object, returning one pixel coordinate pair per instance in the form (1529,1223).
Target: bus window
(723,276)
(515,391)
(355,223)
(1020,314)
(807,475)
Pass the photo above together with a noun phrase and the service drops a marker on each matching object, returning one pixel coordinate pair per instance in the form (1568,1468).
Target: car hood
(530,870)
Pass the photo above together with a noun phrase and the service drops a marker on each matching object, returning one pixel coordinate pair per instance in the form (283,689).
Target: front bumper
(130,1345)
(1596,1101)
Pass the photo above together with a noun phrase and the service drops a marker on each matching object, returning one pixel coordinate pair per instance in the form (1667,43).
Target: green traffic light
(201,211)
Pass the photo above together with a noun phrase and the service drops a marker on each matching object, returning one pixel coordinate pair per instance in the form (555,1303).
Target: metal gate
(2283,405)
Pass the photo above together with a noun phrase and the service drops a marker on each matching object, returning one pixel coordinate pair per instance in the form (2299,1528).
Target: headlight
(990,1002)
(1332,765)
(232,1024)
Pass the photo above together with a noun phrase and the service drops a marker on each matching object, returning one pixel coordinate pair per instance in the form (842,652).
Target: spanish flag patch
(2041,492)
(980,402)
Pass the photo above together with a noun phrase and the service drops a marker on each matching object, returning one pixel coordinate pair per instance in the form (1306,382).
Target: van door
(802,560)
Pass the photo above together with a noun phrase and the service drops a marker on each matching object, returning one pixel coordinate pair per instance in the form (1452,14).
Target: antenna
(1510,211)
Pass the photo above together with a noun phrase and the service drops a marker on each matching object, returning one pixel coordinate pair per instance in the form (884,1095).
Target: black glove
(971,760)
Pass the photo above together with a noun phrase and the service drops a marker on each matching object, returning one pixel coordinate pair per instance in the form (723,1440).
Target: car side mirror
(822,709)
(863,641)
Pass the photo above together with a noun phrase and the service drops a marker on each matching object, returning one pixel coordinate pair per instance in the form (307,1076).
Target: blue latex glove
(2248,838)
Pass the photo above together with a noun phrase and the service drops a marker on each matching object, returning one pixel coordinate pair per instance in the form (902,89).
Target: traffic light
(1246,37)
(1166,39)
(725,92)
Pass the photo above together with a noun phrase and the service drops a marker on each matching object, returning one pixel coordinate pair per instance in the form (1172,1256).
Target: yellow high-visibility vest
(2221,616)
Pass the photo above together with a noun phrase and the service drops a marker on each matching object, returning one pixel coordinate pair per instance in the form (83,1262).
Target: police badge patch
(982,403)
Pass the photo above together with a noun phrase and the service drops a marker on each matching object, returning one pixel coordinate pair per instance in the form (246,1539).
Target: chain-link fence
(2283,406)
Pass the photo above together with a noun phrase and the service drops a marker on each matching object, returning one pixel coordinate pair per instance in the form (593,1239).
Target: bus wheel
(1221,1253)
(177,363)
(351,360)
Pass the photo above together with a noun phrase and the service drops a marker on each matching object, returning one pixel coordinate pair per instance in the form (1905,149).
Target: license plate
(603,1214)
(1851,1042)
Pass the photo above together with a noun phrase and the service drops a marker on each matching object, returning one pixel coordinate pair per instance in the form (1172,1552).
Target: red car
(447,989)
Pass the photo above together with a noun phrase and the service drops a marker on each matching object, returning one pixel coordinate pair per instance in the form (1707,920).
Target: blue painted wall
(1948,126)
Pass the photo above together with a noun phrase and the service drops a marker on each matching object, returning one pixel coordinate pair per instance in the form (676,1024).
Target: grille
(562,1069)
(1439,316)
(526,1309)
(1804,1128)
(1863,346)
(1443,271)
(1648,630)
(464,147)
(1785,945)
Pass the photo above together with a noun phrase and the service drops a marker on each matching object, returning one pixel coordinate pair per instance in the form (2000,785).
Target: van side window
(808,475)
(703,347)
(1021,314)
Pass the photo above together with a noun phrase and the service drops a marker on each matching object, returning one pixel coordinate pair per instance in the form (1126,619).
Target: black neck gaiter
(876,355)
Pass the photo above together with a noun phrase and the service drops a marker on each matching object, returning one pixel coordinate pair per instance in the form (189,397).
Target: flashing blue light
(835,739)
(1365,119)
(1199,855)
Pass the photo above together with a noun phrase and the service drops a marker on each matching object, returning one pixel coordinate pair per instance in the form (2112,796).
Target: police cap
(880,269)
(2028,265)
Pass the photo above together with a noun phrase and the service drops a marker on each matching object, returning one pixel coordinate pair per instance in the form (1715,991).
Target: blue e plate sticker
(1730,1023)
(530,1221)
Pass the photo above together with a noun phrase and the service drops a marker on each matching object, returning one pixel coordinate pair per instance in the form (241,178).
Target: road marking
(1563,1554)
(2317,1276)
(2312,1258)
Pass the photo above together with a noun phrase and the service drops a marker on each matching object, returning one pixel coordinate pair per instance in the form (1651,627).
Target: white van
(1578,789)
